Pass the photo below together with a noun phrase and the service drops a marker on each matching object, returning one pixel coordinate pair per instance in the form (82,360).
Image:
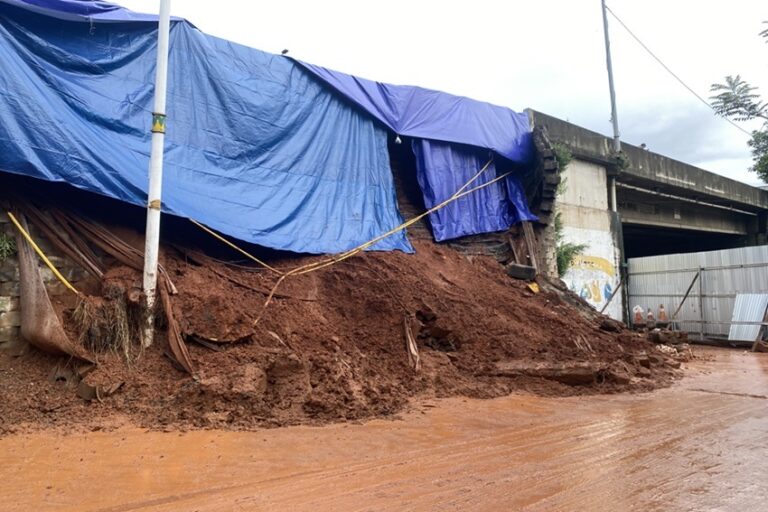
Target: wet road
(700,445)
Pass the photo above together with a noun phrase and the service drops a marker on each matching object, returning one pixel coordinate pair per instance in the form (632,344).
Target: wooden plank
(515,253)
(621,283)
(530,242)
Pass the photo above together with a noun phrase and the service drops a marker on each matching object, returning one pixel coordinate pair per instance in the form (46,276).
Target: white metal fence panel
(655,280)
(750,309)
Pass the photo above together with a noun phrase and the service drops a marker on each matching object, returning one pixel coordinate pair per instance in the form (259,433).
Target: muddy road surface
(700,445)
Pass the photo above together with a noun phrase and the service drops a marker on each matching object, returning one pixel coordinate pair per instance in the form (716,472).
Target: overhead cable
(674,75)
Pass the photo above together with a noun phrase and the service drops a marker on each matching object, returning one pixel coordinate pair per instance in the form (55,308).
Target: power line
(672,72)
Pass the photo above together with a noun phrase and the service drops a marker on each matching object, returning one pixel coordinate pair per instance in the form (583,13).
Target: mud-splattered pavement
(699,445)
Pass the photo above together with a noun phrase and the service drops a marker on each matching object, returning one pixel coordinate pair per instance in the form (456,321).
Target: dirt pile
(331,346)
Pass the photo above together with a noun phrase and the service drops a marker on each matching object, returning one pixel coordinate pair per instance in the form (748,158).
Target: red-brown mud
(697,445)
(331,346)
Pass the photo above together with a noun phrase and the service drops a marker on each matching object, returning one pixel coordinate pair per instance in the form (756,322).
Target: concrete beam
(649,210)
(651,169)
(643,220)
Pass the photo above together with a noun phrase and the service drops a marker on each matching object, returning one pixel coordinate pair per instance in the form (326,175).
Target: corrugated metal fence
(655,280)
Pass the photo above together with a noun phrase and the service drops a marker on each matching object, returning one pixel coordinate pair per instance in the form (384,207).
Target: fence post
(701,303)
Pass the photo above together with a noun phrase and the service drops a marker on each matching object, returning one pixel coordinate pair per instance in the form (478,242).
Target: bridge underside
(642,240)
(655,222)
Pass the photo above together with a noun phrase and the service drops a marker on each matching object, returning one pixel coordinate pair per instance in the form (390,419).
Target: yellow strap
(41,254)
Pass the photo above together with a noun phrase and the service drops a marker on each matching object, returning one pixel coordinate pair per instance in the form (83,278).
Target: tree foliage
(563,155)
(7,246)
(566,252)
(738,100)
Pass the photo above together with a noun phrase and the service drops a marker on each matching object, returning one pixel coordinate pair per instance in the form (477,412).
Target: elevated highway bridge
(664,205)
(646,205)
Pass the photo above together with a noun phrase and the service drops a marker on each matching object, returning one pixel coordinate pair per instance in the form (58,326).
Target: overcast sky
(543,54)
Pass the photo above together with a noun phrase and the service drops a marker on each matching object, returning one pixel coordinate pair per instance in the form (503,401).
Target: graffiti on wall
(592,278)
(594,275)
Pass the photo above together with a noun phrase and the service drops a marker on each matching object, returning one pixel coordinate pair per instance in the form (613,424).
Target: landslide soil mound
(331,346)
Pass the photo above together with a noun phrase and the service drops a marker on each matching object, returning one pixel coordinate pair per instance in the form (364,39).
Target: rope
(311,267)
(317,265)
(41,254)
(235,247)
(321,264)
(456,195)
(362,247)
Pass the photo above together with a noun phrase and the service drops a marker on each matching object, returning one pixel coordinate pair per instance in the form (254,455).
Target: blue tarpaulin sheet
(428,114)
(442,169)
(260,147)
(256,147)
(436,118)
(92,10)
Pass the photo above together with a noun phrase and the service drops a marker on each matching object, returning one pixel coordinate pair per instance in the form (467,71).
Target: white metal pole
(152,236)
(614,116)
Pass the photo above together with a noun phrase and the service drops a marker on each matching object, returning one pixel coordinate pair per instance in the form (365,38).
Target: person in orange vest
(637,319)
(663,320)
(651,321)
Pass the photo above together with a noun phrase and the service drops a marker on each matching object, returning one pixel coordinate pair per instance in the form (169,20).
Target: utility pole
(614,116)
(152,236)
(616,154)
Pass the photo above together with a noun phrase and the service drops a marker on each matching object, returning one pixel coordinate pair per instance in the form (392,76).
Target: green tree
(738,100)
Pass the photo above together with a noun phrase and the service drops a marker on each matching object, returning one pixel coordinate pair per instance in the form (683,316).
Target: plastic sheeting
(92,10)
(443,168)
(428,114)
(436,119)
(256,147)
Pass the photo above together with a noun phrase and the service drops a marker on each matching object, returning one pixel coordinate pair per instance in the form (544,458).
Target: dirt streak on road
(700,445)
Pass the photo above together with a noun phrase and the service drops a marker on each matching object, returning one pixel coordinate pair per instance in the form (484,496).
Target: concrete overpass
(651,205)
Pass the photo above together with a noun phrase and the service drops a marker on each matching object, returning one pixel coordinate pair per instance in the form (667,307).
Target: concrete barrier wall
(583,207)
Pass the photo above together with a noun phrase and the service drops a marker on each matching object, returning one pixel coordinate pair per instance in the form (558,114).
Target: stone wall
(543,202)
(10,318)
(10,312)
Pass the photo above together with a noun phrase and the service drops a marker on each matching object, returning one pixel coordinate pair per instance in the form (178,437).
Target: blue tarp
(443,168)
(428,114)
(435,119)
(256,147)
(78,10)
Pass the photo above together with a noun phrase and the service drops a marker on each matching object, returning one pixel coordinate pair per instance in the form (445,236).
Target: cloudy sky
(543,54)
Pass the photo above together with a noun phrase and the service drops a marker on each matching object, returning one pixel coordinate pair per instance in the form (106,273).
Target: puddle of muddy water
(699,445)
